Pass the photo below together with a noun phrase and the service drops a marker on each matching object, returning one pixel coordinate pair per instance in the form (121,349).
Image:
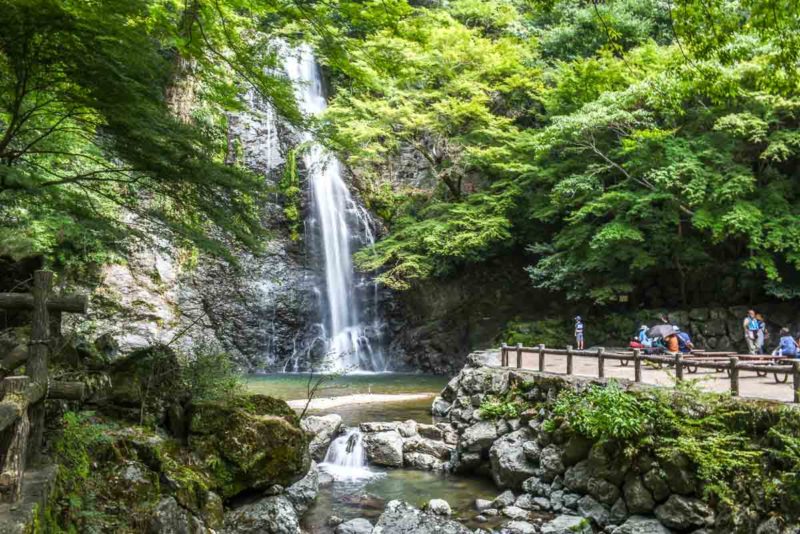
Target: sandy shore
(325,403)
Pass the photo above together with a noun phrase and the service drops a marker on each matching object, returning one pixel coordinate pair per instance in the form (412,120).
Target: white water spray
(346,458)
(335,211)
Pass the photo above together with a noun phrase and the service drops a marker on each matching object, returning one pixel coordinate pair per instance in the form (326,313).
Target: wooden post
(12,467)
(519,355)
(541,358)
(678,366)
(37,361)
(734,376)
(569,359)
(637,365)
(503,355)
(796,380)
(601,370)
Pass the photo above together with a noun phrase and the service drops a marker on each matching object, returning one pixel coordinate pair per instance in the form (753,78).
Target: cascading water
(338,217)
(346,459)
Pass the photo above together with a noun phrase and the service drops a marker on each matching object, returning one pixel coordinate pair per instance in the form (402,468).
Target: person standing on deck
(751,327)
(762,334)
(579,332)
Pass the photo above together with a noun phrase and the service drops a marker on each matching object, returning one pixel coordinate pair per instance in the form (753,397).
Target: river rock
(272,515)
(637,497)
(679,474)
(438,507)
(641,525)
(384,448)
(603,490)
(479,436)
(504,499)
(440,407)
(482,504)
(303,492)
(423,462)
(354,526)
(684,513)
(324,428)
(655,480)
(513,512)
(567,524)
(597,512)
(402,518)
(510,468)
(550,462)
(379,426)
(519,527)
(575,449)
(430,431)
(437,449)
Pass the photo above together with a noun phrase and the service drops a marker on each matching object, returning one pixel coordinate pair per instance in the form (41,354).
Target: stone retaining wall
(560,471)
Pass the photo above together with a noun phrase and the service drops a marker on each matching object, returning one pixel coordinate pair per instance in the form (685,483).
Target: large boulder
(637,497)
(479,436)
(567,524)
(418,444)
(510,467)
(684,513)
(252,442)
(323,429)
(402,518)
(272,515)
(641,525)
(384,448)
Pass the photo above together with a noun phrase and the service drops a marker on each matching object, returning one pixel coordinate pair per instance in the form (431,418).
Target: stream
(360,490)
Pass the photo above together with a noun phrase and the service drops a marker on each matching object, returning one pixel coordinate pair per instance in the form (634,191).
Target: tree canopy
(616,144)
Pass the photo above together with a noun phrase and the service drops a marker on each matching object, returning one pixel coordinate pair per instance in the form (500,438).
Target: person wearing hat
(579,332)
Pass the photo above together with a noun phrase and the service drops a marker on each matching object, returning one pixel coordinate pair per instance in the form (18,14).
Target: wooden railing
(22,406)
(732,365)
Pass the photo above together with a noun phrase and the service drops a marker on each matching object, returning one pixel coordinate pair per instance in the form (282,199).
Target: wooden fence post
(36,367)
(541,358)
(637,365)
(601,371)
(796,380)
(734,376)
(519,355)
(503,355)
(678,366)
(569,359)
(12,465)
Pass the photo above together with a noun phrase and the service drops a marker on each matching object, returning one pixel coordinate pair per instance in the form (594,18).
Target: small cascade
(346,458)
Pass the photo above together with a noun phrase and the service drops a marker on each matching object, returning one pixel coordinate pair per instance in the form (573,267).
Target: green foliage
(211,375)
(604,413)
(510,405)
(81,438)
(702,427)
(289,186)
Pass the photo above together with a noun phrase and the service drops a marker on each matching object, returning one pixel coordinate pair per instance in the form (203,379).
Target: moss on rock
(254,442)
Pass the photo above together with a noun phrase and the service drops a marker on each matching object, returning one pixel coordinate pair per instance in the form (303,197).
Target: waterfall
(337,218)
(346,459)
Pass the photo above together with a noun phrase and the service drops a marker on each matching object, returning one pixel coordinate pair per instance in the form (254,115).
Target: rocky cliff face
(264,311)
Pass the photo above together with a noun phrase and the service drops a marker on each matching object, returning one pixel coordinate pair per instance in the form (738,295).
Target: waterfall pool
(350,490)
(290,386)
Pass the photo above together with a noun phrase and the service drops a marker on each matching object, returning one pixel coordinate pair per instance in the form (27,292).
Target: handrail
(682,362)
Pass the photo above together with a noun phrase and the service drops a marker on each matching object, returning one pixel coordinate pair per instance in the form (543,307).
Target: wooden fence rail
(681,362)
(22,407)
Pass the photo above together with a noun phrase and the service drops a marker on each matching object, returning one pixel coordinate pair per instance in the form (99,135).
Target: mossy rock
(248,443)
